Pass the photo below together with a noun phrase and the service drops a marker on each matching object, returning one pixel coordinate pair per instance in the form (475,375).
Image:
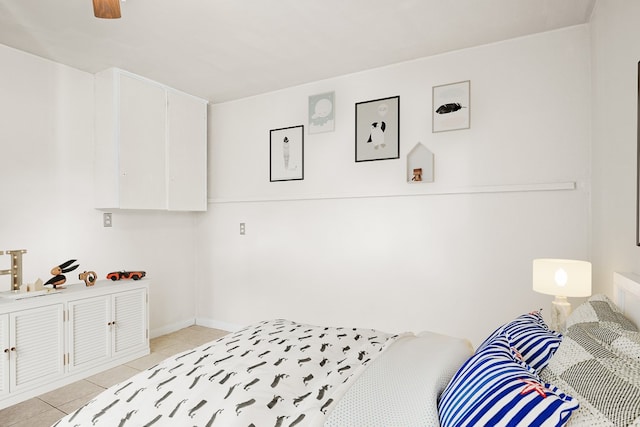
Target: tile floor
(46,409)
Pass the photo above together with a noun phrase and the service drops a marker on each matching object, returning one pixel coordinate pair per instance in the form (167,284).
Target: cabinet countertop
(71,292)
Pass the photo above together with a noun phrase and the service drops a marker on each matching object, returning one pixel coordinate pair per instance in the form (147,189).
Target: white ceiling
(229,49)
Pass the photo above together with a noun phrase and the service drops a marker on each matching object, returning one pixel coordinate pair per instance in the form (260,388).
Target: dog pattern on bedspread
(274,373)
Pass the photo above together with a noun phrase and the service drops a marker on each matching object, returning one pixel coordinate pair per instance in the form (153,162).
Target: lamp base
(560,310)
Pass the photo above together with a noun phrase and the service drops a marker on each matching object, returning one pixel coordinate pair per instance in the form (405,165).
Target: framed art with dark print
(286,154)
(378,129)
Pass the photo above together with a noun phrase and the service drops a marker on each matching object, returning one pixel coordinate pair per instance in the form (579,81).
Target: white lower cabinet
(32,347)
(104,327)
(50,341)
(5,355)
(89,335)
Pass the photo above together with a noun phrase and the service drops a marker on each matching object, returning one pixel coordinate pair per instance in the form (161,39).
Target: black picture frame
(378,129)
(286,154)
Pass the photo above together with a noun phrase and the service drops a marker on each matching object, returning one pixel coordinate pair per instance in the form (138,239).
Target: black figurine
(58,278)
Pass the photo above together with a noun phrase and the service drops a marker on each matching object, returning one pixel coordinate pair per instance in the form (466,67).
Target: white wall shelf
(480,189)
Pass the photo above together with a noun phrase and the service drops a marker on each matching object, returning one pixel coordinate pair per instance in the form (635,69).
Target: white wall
(46,190)
(326,250)
(616,52)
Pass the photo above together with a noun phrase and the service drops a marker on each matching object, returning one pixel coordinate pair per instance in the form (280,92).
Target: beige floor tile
(113,376)
(69,407)
(43,419)
(195,338)
(215,334)
(147,361)
(162,342)
(200,328)
(23,410)
(179,347)
(70,392)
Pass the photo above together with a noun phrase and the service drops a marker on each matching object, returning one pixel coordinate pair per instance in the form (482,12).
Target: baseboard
(218,324)
(167,329)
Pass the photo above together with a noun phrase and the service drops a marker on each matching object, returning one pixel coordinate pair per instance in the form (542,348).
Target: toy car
(117,275)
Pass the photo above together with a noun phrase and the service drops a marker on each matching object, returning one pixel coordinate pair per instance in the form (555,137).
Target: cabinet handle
(13,349)
(6,350)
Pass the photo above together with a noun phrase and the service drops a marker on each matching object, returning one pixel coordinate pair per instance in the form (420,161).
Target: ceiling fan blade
(106,9)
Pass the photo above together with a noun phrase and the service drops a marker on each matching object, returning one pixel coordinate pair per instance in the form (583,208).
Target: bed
(284,373)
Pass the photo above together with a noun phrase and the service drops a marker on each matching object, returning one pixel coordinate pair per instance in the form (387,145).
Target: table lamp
(562,278)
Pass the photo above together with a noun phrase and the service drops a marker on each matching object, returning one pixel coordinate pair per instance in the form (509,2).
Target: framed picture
(451,109)
(286,154)
(378,129)
(322,113)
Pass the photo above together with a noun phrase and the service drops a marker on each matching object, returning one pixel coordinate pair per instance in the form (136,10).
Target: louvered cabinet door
(89,332)
(4,354)
(36,346)
(129,328)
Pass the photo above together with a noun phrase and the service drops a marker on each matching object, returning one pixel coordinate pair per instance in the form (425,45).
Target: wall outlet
(106,219)
(242,229)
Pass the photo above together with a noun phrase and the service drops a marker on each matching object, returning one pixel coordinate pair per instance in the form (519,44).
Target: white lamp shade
(562,277)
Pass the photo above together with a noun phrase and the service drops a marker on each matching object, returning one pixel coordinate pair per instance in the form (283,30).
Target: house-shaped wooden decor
(420,157)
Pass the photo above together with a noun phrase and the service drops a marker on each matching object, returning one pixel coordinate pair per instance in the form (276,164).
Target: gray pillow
(598,363)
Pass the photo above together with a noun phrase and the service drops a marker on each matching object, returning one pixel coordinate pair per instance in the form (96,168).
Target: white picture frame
(451,108)
(322,113)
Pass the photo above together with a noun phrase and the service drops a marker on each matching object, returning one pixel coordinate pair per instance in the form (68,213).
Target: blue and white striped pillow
(493,388)
(531,338)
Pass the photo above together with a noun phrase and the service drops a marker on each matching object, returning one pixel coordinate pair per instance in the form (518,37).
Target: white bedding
(402,386)
(281,373)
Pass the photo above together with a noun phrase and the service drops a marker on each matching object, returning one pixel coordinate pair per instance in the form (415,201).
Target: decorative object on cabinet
(420,157)
(16,267)
(123,274)
(451,109)
(106,9)
(378,129)
(322,113)
(417,174)
(286,154)
(89,277)
(151,145)
(562,278)
(58,278)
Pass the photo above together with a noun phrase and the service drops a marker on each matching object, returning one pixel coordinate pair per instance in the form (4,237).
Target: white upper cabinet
(151,145)
(185,124)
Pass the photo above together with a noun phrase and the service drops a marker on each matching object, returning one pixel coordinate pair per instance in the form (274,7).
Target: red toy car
(117,275)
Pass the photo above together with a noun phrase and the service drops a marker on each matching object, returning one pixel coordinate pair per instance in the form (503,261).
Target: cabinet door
(142,144)
(37,336)
(187,152)
(89,332)
(4,354)
(130,321)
